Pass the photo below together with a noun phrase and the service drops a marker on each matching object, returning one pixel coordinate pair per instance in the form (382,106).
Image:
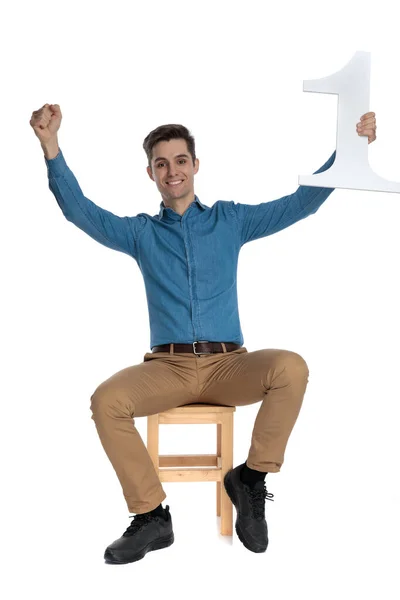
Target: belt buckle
(200,342)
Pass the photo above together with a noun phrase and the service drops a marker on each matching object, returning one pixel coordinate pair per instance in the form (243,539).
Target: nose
(172,171)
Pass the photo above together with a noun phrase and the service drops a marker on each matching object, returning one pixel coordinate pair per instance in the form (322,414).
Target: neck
(179,205)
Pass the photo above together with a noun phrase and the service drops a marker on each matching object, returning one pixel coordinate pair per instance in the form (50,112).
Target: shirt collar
(164,208)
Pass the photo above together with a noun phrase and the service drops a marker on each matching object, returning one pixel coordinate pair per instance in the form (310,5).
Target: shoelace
(257,501)
(138,522)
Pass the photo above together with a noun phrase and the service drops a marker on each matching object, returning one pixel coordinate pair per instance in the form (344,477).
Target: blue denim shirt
(188,262)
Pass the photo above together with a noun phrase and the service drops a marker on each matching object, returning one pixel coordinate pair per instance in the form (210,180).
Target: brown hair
(164,133)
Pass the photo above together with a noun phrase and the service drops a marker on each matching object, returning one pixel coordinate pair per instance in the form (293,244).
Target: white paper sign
(351,169)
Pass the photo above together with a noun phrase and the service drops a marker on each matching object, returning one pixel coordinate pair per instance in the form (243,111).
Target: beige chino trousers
(164,380)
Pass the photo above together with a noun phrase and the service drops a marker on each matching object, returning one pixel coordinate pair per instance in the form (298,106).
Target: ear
(196,165)
(149,171)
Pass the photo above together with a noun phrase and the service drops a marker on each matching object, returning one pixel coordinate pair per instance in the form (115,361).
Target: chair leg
(226,464)
(152,439)
(219,484)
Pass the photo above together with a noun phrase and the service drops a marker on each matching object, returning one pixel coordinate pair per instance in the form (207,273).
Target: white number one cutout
(351,169)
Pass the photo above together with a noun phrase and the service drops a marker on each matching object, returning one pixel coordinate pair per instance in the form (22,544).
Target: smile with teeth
(174,182)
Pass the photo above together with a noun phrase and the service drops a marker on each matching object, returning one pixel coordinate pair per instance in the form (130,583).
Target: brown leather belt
(198,347)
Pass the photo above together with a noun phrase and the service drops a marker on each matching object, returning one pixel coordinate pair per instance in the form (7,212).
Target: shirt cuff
(57,165)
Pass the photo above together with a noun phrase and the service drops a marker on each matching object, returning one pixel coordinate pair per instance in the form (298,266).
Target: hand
(46,122)
(367,126)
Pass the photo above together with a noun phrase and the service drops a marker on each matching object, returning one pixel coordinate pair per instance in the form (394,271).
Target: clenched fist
(46,122)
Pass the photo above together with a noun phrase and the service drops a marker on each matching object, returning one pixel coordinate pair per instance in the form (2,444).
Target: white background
(74,312)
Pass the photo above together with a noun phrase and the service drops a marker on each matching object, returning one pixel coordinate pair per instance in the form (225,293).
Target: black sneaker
(147,532)
(251,526)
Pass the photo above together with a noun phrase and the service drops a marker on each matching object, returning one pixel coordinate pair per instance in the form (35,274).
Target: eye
(180,160)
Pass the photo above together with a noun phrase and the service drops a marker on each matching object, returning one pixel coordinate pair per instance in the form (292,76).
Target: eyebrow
(177,156)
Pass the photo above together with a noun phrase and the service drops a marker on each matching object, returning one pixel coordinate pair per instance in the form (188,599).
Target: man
(188,255)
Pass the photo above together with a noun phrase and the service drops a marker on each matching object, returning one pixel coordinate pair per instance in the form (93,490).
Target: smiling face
(172,162)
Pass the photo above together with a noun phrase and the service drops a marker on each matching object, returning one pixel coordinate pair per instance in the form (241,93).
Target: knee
(107,400)
(293,363)
(100,400)
(296,364)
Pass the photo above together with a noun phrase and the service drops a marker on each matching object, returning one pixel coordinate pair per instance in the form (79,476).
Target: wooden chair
(190,467)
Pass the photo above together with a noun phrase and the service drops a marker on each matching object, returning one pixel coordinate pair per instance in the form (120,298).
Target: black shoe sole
(156,545)
(230,490)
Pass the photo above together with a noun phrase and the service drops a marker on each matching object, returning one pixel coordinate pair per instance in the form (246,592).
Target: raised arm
(117,233)
(259,220)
